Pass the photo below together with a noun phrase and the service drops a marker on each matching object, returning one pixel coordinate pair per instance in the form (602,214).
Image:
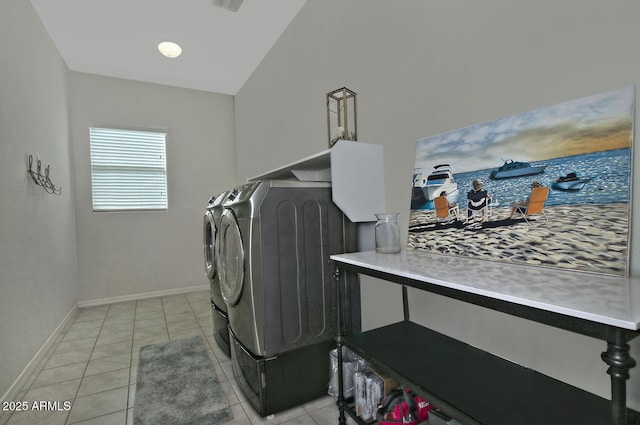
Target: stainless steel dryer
(218,306)
(276,278)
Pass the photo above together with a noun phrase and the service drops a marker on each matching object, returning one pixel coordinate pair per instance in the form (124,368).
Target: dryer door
(231,258)
(209,235)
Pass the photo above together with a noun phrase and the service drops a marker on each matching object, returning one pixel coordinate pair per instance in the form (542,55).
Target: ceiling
(119,38)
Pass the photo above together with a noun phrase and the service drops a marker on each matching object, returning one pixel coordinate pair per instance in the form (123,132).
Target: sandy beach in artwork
(585,237)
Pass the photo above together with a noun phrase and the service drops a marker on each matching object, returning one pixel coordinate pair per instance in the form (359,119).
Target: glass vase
(387,233)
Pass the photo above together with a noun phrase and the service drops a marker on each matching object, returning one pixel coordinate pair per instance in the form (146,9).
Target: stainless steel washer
(275,275)
(276,279)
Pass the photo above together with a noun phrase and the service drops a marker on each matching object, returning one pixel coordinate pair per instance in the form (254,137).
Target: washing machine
(219,308)
(275,239)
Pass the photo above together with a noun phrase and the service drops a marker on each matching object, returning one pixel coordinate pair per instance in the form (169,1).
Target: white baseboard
(17,385)
(142,296)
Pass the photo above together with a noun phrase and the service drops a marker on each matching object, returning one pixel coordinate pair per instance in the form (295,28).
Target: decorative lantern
(341,115)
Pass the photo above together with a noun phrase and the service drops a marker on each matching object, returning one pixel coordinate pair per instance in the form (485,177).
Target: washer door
(230,258)
(209,237)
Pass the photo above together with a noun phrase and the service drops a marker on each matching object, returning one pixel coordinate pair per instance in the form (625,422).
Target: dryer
(275,239)
(219,309)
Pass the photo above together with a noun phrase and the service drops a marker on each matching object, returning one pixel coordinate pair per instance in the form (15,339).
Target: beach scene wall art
(550,187)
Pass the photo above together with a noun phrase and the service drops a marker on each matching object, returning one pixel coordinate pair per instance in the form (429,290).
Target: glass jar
(387,233)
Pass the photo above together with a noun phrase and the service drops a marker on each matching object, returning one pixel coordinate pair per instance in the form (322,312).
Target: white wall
(425,67)
(37,231)
(124,253)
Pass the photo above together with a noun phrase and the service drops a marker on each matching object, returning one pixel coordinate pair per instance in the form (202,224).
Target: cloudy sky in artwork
(595,123)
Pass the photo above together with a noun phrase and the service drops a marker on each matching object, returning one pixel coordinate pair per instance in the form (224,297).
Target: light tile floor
(93,365)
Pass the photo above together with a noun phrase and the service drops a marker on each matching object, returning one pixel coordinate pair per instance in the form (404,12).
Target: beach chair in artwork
(477,205)
(535,205)
(444,212)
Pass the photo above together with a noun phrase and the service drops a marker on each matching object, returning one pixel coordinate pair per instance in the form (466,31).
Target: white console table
(479,388)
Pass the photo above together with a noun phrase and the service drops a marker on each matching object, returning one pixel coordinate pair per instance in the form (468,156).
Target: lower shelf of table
(472,385)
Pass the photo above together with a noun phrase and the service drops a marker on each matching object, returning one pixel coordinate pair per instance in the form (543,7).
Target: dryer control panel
(241,193)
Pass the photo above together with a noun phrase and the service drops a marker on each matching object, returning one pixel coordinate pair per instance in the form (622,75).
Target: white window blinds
(128,170)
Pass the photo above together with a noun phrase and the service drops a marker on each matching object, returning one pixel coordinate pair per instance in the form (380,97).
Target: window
(128,170)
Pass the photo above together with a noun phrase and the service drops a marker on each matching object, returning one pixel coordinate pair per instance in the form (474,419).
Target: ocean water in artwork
(608,173)
(585,229)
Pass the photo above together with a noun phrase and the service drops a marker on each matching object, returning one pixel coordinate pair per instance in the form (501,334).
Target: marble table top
(605,299)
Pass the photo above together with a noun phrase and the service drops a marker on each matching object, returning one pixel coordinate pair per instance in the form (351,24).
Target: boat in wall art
(550,187)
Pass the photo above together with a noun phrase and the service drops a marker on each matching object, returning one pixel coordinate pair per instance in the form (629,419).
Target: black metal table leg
(342,420)
(405,302)
(620,362)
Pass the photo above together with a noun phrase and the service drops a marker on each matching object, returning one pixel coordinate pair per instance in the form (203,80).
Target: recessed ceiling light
(170,49)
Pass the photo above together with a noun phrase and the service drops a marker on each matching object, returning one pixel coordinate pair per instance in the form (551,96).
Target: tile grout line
(28,384)
(169,308)
(41,366)
(133,331)
(87,365)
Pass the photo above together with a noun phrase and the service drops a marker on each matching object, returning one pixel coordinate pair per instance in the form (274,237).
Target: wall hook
(42,179)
